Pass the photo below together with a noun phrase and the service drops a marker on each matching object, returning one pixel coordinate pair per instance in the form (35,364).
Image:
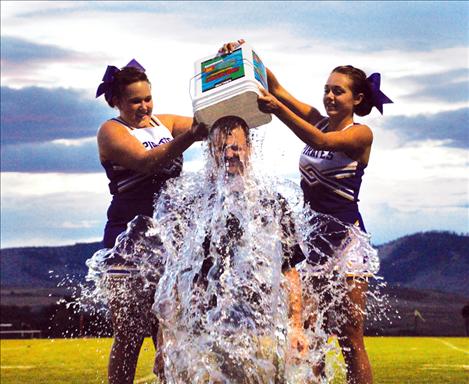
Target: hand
(230,47)
(268,103)
(199,130)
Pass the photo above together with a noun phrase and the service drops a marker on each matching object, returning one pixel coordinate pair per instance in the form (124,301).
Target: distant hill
(424,271)
(430,260)
(41,267)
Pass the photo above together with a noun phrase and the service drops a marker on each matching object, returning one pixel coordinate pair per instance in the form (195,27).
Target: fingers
(199,130)
(265,96)
(230,47)
(202,130)
(226,48)
(263,91)
(266,102)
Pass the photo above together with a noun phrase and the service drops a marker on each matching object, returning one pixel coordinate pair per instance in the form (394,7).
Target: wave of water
(213,253)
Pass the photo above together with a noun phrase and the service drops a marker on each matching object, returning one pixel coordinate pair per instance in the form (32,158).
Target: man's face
(231,150)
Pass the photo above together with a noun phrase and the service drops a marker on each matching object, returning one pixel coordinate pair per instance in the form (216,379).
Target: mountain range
(431,260)
(425,273)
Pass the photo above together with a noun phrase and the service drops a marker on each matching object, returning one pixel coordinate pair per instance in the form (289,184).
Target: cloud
(19,9)
(451,92)
(420,48)
(286,39)
(444,77)
(52,219)
(385,222)
(31,185)
(447,86)
(33,115)
(387,25)
(17,51)
(70,156)
(78,224)
(25,62)
(54,156)
(449,126)
(358,26)
(52,208)
(57,209)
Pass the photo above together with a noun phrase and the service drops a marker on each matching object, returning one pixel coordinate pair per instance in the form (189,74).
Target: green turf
(63,361)
(394,360)
(419,360)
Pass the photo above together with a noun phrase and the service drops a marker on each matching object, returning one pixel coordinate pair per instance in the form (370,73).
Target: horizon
(54,54)
(461,234)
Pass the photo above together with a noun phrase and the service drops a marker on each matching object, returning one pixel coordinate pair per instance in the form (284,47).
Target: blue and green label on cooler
(222,69)
(259,70)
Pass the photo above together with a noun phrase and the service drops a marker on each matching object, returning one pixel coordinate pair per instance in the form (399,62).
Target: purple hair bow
(108,78)
(379,98)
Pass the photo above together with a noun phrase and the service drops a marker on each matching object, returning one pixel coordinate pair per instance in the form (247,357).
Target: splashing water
(213,254)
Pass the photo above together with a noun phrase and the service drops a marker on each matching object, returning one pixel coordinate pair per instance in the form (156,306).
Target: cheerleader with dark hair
(332,165)
(139,151)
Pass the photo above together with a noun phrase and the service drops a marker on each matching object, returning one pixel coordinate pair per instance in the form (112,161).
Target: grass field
(397,360)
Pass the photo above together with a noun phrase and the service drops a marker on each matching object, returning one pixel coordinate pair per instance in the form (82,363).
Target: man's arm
(293,254)
(297,336)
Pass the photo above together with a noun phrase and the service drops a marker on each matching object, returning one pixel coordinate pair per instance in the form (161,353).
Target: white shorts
(353,257)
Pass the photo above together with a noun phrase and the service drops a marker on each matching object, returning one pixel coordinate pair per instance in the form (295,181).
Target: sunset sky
(54,54)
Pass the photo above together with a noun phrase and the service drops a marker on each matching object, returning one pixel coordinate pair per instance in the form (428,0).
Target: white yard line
(18,366)
(145,379)
(439,367)
(13,348)
(448,344)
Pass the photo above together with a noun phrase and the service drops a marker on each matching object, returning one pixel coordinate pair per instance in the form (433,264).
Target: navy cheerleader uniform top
(331,181)
(133,192)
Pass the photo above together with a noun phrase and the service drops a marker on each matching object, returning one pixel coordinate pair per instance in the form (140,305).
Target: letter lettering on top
(311,152)
(149,144)
(164,140)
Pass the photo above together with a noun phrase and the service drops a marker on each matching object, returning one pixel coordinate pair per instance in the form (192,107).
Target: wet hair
(123,78)
(226,124)
(359,85)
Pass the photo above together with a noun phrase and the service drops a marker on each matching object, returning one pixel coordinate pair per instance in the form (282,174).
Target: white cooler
(229,85)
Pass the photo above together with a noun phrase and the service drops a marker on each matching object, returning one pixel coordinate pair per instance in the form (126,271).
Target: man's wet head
(230,144)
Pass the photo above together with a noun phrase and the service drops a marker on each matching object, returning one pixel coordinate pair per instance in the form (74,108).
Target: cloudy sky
(53,56)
